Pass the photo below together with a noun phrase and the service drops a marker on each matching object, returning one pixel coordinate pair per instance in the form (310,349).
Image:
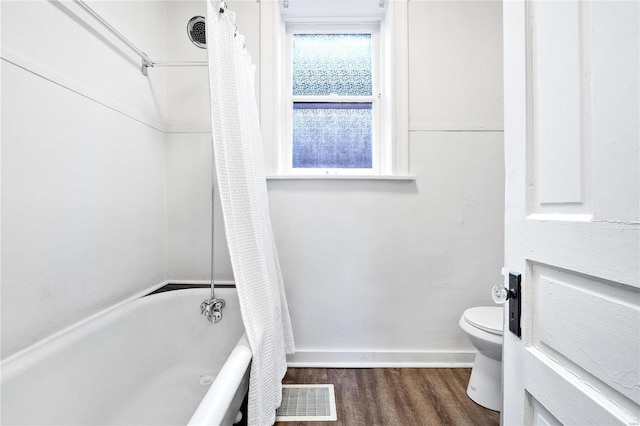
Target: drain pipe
(212,307)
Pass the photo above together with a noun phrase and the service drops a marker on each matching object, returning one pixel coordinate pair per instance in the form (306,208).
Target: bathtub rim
(150,291)
(218,406)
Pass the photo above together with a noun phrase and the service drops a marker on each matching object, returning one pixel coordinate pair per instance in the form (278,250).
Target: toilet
(483,325)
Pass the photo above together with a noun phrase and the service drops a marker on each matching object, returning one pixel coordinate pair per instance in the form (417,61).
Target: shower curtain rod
(146,61)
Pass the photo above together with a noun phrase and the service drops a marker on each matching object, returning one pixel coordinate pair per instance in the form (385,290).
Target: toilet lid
(487,318)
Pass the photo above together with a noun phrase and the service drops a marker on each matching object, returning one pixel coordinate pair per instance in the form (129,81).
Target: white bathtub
(149,362)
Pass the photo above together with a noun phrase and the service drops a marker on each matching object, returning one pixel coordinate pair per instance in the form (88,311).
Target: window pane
(332,135)
(325,64)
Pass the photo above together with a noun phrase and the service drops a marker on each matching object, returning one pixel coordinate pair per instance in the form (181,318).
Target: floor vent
(307,403)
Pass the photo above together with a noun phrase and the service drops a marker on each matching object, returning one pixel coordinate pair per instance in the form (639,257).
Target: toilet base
(485,382)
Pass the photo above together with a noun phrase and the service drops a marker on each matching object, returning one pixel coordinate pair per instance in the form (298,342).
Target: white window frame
(377,151)
(394,41)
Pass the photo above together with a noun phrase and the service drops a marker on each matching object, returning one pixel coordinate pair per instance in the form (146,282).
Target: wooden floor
(396,396)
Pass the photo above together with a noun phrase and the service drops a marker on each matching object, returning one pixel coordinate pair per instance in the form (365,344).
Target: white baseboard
(383,359)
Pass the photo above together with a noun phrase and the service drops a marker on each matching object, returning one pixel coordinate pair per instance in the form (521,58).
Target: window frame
(394,39)
(378,151)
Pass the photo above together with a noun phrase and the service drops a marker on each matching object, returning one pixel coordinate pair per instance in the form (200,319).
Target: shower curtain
(239,161)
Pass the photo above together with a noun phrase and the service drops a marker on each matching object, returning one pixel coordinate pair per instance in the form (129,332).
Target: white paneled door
(572,211)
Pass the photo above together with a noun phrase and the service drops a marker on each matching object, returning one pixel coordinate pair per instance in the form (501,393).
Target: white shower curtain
(239,160)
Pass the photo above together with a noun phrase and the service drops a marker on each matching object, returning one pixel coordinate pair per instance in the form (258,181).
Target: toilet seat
(486,318)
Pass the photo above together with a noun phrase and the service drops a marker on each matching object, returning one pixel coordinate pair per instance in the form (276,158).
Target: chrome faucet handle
(215,316)
(212,309)
(500,294)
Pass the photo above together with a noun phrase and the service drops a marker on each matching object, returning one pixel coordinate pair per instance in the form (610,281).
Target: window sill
(408,178)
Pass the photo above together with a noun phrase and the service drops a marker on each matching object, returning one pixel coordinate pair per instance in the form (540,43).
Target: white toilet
(483,325)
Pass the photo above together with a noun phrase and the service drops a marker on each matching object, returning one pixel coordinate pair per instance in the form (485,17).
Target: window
(333,111)
(353,123)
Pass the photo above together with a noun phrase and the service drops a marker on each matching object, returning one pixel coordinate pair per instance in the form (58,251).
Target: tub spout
(212,309)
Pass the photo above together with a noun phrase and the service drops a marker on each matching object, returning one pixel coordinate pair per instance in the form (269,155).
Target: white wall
(83,164)
(388,266)
(99,203)
(377,271)
(189,158)
(455,65)
(188,108)
(188,91)
(189,146)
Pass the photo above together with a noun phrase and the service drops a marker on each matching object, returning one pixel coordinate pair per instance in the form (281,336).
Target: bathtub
(153,361)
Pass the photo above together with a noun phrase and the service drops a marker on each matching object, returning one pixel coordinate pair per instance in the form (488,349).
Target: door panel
(589,324)
(540,416)
(557,97)
(565,396)
(572,211)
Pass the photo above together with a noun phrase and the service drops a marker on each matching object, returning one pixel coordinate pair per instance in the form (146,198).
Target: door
(572,211)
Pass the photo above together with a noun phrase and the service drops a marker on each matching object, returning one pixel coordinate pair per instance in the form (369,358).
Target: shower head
(196,30)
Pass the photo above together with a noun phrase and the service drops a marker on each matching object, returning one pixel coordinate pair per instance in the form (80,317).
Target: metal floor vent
(307,403)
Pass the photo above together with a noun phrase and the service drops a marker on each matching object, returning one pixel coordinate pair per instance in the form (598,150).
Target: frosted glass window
(332,135)
(326,64)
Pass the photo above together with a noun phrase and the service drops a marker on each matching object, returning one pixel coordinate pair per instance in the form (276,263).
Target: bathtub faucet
(212,309)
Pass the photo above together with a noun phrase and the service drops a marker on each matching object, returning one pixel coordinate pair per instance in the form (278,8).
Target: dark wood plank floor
(397,396)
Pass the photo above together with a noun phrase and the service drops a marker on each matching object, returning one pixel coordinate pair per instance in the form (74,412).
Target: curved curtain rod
(147,62)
